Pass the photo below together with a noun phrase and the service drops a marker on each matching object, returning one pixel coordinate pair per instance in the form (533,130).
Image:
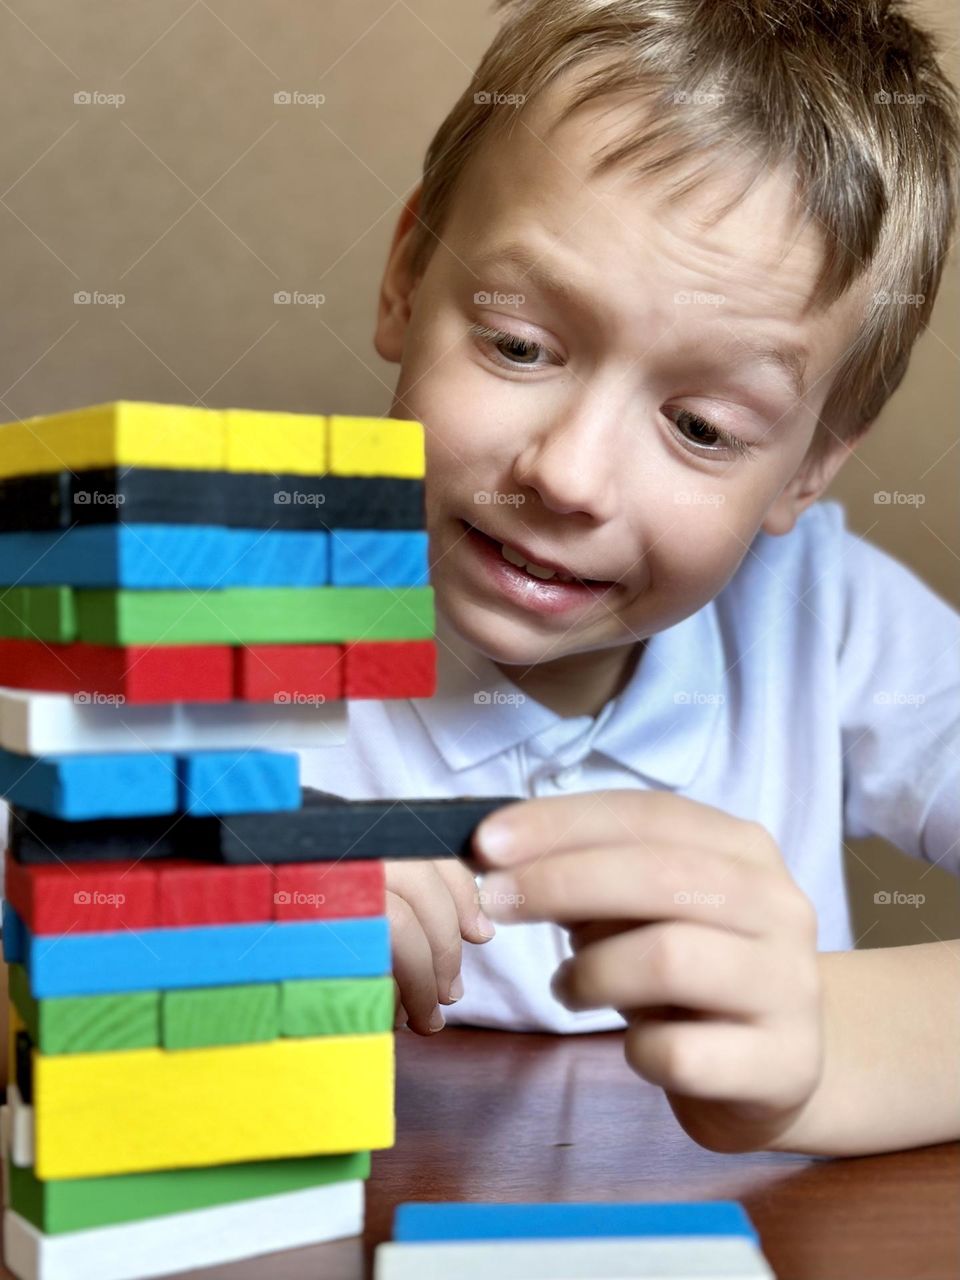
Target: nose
(573,463)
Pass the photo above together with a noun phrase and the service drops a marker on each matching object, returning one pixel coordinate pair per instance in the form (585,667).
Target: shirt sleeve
(899,690)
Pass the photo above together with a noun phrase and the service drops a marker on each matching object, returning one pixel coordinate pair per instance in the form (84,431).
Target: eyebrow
(789,359)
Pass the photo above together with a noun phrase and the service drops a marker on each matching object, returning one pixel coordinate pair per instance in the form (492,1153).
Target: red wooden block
(198,893)
(390,669)
(83,897)
(288,672)
(177,673)
(326,890)
(135,674)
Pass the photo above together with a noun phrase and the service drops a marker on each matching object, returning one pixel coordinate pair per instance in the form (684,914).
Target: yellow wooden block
(139,1109)
(278,443)
(119,434)
(375,447)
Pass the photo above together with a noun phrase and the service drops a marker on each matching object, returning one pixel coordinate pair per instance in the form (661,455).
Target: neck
(580,683)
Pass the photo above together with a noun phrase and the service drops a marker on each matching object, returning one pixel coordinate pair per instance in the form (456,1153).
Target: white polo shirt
(818,694)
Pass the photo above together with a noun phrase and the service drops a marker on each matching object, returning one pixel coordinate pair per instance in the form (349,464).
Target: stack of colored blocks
(160,554)
(201,1053)
(712,1240)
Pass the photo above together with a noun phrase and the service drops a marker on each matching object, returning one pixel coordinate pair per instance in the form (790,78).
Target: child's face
(583,424)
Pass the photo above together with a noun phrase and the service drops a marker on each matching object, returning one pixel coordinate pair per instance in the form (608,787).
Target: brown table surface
(487,1115)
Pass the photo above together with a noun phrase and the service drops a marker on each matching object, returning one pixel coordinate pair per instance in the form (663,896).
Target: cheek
(693,549)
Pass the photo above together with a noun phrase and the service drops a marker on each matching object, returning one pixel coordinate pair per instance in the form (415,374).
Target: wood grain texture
(105,1113)
(338,1007)
(488,1115)
(202,1016)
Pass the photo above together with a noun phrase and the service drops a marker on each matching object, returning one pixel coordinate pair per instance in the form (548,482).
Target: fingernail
(400,1021)
(485,927)
(436,1022)
(456,989)
(494,840)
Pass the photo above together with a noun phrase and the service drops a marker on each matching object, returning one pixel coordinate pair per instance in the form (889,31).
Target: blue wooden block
(278,558)
(379,558)
(14,942)
(423,1222)
(213,782)
(81,964)
(101,786)
(143,556)
(165,557)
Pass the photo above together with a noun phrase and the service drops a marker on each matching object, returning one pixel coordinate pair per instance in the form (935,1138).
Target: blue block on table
(213,782)
(379,558)
(101,786)
(81,964)
(420,1222)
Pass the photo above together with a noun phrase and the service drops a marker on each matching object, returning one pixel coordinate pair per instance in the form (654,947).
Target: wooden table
(484,1115)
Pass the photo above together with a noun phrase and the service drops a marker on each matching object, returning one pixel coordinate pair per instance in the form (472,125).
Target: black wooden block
(327,827)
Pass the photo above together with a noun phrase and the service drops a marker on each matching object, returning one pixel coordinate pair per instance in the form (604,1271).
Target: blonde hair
(847,94)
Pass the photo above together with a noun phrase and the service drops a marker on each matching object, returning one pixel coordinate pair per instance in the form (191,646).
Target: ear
(820,464)
(398,285)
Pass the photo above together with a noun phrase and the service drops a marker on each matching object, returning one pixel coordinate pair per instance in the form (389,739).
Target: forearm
(891,1076)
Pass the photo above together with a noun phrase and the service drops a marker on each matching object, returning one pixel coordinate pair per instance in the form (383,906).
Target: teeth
(536,570)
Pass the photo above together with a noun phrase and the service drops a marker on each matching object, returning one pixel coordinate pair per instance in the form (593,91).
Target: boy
(645,302)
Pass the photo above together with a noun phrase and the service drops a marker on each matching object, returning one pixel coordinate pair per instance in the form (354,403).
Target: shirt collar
(660,725)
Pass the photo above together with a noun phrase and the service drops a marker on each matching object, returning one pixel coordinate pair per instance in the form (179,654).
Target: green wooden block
(255,615)
(18,986)
(38,613)
(77,1203)
(336,1006)
(87,1024)
(330,615)
(151,617)
(199,1016)
(13,613)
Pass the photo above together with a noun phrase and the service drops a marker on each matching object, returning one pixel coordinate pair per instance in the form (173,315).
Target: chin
(498,636)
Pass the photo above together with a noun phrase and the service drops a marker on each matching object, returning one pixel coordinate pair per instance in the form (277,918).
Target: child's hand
(431,906)
(686,920)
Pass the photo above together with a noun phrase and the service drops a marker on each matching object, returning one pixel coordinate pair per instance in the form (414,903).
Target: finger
(413,967)
(720,1061)
(475,925)
(419,884)
(690,965)
(553,824)
(598,884)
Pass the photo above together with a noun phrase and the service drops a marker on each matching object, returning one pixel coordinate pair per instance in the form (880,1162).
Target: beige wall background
(183,186)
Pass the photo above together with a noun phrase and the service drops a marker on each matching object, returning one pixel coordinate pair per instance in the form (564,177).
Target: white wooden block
(183,1241)
(639,1258)
(21,1128)
(36,724)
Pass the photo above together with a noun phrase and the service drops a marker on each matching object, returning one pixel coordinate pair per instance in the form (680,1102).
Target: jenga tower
(201,1007)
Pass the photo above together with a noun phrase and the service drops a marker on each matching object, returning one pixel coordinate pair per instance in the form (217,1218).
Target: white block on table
(5,1151)
(36,724)
(620,1258)
(183,1241)
(21,1146)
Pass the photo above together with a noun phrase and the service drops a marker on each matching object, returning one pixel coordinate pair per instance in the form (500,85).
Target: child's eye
(511,348)
(709,438)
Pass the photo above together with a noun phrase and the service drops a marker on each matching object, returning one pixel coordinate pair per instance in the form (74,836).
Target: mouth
(545,584)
